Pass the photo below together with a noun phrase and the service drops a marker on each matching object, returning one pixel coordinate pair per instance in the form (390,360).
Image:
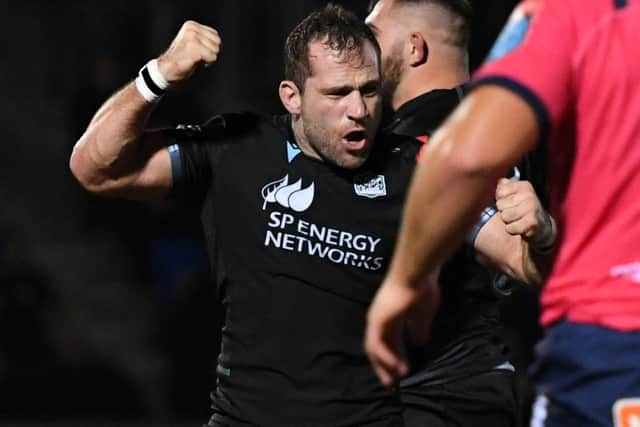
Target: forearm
(511,254)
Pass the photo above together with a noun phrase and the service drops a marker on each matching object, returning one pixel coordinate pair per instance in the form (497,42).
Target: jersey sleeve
(532,57)
(194,151)
(191,167)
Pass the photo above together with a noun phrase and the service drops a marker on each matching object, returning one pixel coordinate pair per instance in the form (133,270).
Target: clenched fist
(195,45)
(522,212)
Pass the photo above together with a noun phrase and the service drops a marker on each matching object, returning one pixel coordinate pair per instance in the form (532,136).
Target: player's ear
(290,96)
(418,49)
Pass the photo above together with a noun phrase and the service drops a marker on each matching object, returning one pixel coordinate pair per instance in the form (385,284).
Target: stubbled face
(389,37)
(341,105)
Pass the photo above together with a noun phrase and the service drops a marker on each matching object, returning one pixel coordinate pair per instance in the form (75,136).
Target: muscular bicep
(141,173)
(489,132)
(152,176)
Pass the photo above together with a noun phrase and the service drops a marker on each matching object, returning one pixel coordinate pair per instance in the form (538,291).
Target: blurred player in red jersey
(567,73)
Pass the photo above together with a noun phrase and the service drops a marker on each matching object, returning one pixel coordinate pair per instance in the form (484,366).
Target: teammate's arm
(457,176)
(115,155)
(519,239)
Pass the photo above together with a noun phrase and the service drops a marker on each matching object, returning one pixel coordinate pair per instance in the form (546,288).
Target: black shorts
(487,399)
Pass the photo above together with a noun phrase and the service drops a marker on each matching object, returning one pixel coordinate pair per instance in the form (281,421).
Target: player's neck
(301,139)
(419,81)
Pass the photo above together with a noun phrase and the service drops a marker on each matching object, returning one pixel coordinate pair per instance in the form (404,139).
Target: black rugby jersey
(300,249)
(467,333)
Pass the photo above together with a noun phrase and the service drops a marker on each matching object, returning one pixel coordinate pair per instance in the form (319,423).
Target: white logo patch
(374,187)
(291,196)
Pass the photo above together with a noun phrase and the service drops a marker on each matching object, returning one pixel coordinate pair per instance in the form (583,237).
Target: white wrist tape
(150,82)
(156,75)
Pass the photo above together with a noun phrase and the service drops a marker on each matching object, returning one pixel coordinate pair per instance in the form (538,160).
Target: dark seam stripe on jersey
(544,121)
(619,4)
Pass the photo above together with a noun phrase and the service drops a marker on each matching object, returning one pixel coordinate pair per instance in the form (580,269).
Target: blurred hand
(396,307)
(420,314)
(195,45)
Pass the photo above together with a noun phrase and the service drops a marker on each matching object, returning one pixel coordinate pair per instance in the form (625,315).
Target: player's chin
(353,160)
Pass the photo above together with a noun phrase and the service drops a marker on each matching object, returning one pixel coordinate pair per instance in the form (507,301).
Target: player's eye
(370,89)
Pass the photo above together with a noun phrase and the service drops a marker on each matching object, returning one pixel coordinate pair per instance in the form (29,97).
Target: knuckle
(190,24)
(193,43)
(192,37)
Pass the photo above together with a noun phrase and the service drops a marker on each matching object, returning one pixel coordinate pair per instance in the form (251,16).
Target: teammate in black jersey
(463,376)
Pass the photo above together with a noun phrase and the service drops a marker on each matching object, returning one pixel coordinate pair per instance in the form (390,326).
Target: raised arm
(115,155)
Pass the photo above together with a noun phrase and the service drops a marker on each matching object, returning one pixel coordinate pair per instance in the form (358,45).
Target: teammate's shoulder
(391,145)
(402,143)
(221,126)
(233,124)
(392,141)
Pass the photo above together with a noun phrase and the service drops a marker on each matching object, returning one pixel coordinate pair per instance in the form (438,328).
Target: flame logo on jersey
(291,196)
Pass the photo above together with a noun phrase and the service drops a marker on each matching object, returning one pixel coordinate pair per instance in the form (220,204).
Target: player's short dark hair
(460,8)
(339,29)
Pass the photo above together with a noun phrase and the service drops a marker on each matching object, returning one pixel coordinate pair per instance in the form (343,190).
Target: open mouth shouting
(355,139)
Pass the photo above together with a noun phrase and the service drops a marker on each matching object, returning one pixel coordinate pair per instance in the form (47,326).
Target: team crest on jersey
(291,196)
(626,413)
(370,187)
(515,31)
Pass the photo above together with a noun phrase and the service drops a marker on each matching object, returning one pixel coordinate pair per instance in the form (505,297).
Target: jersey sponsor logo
(630,271)
(515,31)
(370,187)
(291,196)
(286,232)
(626,413)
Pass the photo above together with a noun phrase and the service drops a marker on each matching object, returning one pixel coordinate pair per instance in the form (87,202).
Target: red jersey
(577,63)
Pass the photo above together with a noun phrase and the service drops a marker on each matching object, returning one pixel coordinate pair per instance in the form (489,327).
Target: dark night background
(106,314)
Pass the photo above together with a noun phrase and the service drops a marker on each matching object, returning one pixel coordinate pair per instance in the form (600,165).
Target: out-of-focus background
(107,316)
